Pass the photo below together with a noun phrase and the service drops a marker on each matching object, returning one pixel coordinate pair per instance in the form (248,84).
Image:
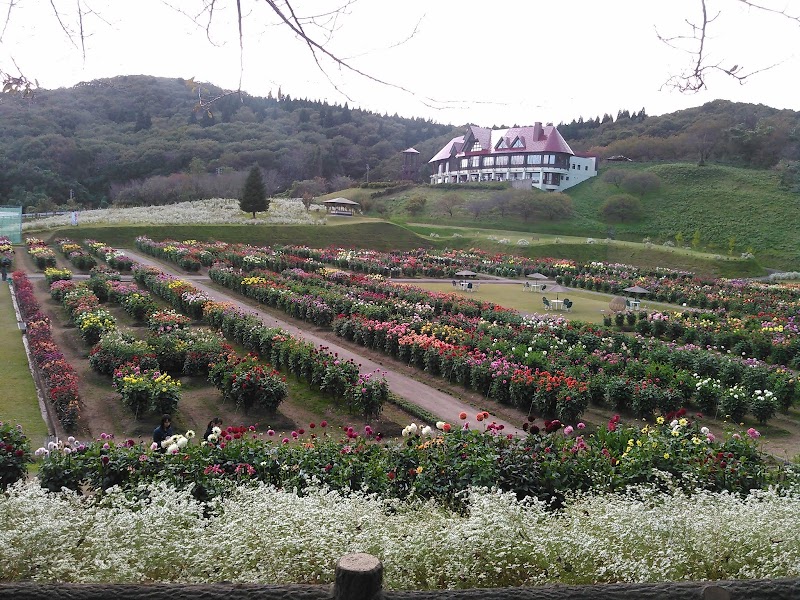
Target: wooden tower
(410,165)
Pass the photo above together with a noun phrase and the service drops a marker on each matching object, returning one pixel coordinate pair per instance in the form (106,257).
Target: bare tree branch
(316,48)
(11,5)
(775,11)
(66,31)
(694,44)
(80,28)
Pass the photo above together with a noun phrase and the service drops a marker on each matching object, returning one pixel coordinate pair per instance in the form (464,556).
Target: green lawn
(587,306)
(18,402)
(360,233)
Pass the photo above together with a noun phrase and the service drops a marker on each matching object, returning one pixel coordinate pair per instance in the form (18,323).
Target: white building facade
(536,155)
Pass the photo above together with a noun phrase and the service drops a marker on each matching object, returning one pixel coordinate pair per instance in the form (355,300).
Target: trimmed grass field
(587,306)
(18,401)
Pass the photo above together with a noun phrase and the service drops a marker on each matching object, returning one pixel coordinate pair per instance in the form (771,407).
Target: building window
(502,161)
(464,162)
(534,159)
(476,146)
(501,144)
(517,159)
(586,167)
(488,161)
(549,159)
(475,162)
(518,144)
(552,178)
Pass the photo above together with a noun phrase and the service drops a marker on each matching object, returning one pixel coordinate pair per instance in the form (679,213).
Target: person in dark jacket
(215,422)
(163,431)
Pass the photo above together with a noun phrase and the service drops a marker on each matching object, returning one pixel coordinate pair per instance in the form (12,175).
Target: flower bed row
(756,318)
(763,336)
(6,252)
(549,463)
(557,392)
(555,369)
(558,386)
(262,535)
(76,254)
(141,369)
(42,255)
(15,454)
(59,378)
(322,369)
(177,349)
(115,259)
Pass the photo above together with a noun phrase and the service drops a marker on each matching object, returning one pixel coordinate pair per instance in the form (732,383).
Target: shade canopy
(465,273)
(637,289)
(536,276)
(340,202)
(558,289)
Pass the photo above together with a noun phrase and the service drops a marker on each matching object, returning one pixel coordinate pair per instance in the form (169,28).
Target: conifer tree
(254,194)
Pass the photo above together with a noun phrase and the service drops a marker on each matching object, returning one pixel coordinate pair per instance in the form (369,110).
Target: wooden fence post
(358,577)
(715,592)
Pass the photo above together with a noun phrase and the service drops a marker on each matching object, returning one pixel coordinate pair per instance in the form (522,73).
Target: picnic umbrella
(536,276)
(636,289)
(466,273)
(558,289)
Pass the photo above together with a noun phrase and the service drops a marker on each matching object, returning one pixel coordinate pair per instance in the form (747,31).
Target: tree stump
(358,577)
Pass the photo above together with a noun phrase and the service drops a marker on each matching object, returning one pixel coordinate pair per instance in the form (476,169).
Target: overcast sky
(483,62)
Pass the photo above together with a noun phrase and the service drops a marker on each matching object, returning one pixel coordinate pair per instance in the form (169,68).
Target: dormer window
(501,144)
(476,146)
(518,144)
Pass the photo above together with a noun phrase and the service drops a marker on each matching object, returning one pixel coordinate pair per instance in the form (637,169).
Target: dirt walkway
(444,406)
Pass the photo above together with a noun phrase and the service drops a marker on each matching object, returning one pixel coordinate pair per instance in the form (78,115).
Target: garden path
(438,403)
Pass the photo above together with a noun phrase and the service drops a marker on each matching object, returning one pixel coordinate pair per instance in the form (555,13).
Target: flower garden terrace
(765,307)
(550,366)
(569,476)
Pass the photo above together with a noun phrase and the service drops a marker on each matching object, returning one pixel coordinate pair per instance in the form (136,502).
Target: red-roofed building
(535,155)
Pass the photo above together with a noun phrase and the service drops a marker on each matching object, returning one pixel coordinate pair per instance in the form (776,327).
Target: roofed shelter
(341,206)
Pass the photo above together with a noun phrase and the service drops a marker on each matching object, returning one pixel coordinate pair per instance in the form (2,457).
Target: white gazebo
(341,206)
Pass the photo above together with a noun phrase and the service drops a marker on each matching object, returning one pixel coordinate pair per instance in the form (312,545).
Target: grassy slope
(372,234)
(387,236)
(18,402)
(721,202)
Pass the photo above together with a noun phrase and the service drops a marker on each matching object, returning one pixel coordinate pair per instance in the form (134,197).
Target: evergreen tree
(254,194)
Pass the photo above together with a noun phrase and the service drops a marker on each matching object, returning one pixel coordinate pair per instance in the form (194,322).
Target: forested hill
(106,133)
(731,133)
(101,139)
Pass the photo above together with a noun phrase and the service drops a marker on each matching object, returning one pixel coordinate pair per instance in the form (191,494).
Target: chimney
(537,131)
